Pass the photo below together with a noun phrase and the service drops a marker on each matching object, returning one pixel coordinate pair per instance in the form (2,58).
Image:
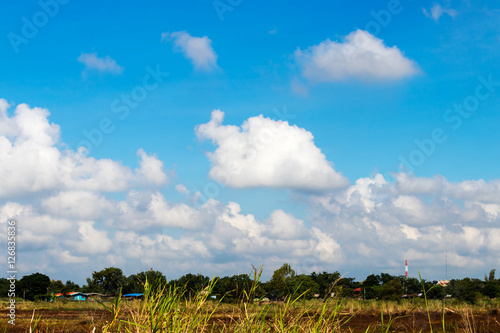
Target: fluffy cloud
(94,63)
(361,55)
(31,162)
(197,49)
(437,11)
(66,215)
(66,258)
(267,243)
(77,205)
(148,226)
(91,240)
(151,169)
(286,226)
(224,229)
(419,219)
(160,247)
(267,153)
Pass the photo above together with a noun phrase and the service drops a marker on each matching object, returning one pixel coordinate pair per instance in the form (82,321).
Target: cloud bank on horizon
(67,216)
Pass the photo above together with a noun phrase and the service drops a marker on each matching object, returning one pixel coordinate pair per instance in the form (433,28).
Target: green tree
(465,290)
(370,292)
(56,286)
(384,277)
(326,281)
(91,287)
(4,287)
(372,281)
(412,286)
(135,282)
(392,290)
(492,275)
(108,281)
(34,285)
(491,289)
(280,281)
(304,284)
(345,286)
(192,283)
(71,286)
(437,291)
(234,287)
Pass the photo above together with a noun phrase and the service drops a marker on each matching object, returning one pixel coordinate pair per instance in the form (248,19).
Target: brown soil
(76,321)
(419,322)
(57,321)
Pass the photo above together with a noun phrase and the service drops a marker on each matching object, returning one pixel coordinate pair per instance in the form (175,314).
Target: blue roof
(133,295)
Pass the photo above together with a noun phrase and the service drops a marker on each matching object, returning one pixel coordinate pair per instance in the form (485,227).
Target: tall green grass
(169,310)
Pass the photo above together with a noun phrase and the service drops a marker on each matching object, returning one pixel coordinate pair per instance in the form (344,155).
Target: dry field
(202,315)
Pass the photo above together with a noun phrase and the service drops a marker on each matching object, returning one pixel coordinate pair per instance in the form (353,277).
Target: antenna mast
(446,263)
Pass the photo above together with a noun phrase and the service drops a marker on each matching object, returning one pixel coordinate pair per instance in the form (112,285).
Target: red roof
(443,283)
(67,294)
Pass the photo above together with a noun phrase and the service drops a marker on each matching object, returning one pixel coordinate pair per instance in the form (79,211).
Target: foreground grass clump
(169,310)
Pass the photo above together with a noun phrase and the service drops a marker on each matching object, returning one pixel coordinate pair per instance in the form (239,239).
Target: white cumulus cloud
(151,170)
(360,55)
(91,240)
(419,219)
(77,205)
(267,153)
(31,160)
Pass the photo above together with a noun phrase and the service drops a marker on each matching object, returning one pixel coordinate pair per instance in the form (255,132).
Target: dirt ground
(57,321)
(76,321)
(419,322)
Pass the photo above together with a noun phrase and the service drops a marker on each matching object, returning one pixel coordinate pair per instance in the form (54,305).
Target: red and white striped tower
(406,268)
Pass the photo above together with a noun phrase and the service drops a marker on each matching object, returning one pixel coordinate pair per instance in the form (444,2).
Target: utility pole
(446,263)
(406,277)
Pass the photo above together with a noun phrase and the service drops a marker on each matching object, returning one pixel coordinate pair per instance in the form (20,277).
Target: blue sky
(322,104)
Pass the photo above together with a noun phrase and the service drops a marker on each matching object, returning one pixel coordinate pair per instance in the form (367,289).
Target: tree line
(284,281)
